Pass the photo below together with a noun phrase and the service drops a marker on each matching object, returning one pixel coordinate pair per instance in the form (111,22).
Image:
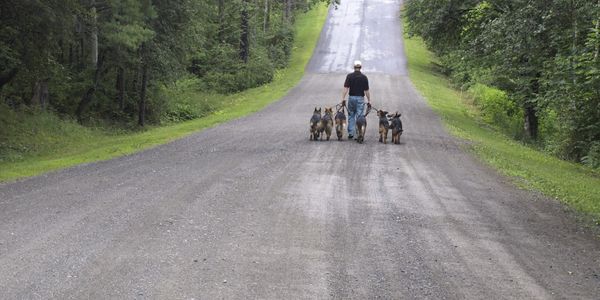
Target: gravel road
(252,209)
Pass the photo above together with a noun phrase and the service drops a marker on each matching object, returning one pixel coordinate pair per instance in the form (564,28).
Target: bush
(258,71)
(498,109)
(29,131)
(280,44)
(551,135)
(592,159)
(185,101)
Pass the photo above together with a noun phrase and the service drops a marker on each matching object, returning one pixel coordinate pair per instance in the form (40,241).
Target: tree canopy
(543,54)
(108,59)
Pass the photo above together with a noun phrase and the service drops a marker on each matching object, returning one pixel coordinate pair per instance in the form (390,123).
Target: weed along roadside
(75,144)
(576,185)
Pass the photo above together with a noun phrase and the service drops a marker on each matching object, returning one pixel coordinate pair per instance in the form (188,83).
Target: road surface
(252,209)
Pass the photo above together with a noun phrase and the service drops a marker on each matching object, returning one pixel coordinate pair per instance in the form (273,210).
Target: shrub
(592,158)
(280,44)
(498,109)
(185,101)
(258,71)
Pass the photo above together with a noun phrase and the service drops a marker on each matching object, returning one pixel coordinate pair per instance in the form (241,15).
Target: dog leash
(368,110)
(339,106)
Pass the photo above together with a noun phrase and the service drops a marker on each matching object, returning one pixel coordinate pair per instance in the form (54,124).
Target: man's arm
(344,93)
(367,93)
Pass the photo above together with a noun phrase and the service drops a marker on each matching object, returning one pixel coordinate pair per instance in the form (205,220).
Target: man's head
(357,65)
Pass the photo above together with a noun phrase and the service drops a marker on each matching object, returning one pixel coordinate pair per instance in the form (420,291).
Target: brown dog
(326,124)
(340,123)
(396,128)
(361,128)
(315,120)
(384,126)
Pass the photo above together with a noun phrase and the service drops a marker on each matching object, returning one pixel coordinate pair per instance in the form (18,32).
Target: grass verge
(573,184)
(75,144)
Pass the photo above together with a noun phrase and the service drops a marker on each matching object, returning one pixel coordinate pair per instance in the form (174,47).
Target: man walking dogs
(357,85)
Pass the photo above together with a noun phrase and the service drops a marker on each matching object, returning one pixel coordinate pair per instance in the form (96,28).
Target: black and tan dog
(340,123)
(361,128)
(315,121)
(326,124)
(384,126)
(396,127)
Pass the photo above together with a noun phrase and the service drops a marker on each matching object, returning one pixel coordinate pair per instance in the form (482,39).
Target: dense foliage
(113,60)
(541,58)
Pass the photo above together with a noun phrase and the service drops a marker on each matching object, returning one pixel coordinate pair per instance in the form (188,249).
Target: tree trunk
(88,96)
(40,94)
(267,16)
(221,21)
(120,85)
(94,36)
(288,8)
(597,51)
(71,55)
(142,103)
(244,37)
(6,78)
(531,122)
(531,118)
(78,45)
(575,35)
(80,59)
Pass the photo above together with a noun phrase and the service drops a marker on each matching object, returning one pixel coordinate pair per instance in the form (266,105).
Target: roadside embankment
(47,143)
(573,184)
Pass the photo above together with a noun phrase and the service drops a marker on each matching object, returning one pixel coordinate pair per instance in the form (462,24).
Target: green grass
(573,184)
(60,144)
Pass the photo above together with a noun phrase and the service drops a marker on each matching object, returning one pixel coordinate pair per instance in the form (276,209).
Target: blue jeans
(356,108)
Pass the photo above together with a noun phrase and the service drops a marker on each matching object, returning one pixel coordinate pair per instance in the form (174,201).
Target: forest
(115,62)
(533,67)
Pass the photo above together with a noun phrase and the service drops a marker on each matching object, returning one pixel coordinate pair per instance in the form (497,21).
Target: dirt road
(253,209)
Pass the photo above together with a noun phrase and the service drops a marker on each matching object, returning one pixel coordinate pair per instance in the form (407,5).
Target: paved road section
(252,209)
(368,30)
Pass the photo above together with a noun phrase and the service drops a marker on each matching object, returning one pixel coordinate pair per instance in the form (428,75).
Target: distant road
(252,209)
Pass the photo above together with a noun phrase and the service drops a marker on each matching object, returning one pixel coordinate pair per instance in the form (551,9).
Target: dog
(315,120)
(326,124)
(340,123)
(384,126)
(361,128)
(396,127)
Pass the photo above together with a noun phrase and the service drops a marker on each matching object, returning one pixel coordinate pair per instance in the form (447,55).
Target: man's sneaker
(350,136)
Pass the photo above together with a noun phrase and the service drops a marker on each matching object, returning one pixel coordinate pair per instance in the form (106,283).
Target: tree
(535,51)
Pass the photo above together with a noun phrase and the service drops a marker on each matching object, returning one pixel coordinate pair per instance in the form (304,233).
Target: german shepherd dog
(361,128)
(340,123)
(326,123)
(384,126)
(396,127)
(315,120)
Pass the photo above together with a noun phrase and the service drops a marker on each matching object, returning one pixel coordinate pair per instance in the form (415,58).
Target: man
(357,85)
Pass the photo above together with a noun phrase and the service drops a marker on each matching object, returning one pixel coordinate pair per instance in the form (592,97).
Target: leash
(373,107)
(340,107)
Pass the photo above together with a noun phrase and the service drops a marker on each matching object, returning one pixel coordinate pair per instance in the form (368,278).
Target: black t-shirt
(358,83)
